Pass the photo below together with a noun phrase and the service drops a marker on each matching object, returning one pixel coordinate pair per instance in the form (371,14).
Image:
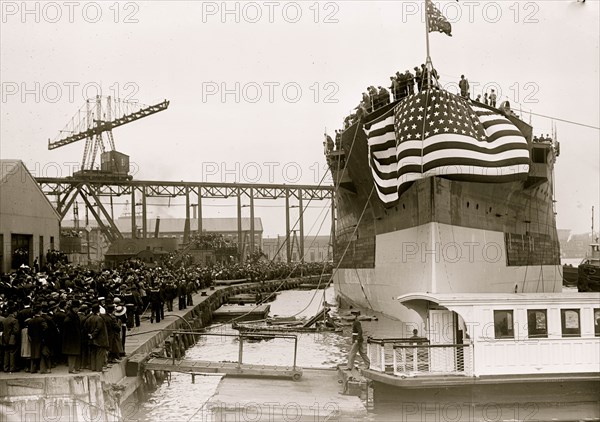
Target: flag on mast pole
(436,21)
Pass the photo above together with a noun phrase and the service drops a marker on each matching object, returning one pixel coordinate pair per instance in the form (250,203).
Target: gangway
(235,369)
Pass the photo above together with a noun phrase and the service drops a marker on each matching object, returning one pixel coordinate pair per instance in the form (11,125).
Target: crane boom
(107,126)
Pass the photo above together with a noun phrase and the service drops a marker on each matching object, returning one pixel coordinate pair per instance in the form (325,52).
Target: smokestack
(157,227)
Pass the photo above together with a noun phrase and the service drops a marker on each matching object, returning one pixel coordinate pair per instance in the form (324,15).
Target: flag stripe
(436,133)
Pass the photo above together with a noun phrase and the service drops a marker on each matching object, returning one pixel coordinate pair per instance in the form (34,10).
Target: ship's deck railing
(381,350)
(414,357)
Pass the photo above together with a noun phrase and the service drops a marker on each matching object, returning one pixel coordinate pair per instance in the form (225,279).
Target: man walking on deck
(357,345)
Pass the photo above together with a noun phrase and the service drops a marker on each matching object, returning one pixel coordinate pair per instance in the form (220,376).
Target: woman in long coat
(71,339)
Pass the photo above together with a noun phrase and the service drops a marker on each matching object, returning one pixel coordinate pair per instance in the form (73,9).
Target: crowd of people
(402,85)
(543,139)
(488,99)
(65,314)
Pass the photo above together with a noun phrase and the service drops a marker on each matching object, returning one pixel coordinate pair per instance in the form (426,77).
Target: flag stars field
(447,136)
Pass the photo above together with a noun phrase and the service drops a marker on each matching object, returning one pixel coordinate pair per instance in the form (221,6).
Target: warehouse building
(29,224)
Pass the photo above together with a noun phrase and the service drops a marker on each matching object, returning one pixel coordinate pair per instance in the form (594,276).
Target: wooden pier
(317,397)
(241,312)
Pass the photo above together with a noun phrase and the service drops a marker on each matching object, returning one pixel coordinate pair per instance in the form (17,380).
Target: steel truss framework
(66,190)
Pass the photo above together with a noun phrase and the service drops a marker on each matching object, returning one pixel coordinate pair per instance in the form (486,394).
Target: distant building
(151,251)
(575,245)
(172,228)
(175,227)
(29,224)
(316,249)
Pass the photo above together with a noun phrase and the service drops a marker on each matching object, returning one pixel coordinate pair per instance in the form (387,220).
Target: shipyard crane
(99,116)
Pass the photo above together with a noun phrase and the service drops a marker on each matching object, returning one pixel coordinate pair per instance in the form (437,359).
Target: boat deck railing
(414,357)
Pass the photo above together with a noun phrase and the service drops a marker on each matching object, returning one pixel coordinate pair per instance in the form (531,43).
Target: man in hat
(182,294)
(84,361)
(357,344)
(463,84)
(102,303)
(71,337)
(493,98)
(419,78)
(37,329)
(170,294)
(113,329)
(156,303)
(51,348)
(10,337)
(395,87)
(410,82)
(98,339)
(121,315)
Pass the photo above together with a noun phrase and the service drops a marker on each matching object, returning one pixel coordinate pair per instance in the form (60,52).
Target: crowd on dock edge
(64,314)
(403,85)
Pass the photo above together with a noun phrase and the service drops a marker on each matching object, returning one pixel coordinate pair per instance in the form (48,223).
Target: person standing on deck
(493,98)
(463,84)
(357,345)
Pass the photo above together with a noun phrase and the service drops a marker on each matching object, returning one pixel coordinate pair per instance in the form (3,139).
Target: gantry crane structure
(64,191)
(94,122)
(97,118)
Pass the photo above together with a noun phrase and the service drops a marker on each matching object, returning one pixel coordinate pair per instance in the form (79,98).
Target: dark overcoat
(71,334)
(96,328)
(37,332)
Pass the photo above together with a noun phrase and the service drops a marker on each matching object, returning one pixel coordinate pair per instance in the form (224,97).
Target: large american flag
(437,21)
(436,133)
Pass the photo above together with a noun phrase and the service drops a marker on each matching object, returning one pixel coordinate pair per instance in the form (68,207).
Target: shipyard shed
(29,224)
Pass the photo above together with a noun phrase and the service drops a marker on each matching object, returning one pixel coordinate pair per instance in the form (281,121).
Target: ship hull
(443,235)
(440,258)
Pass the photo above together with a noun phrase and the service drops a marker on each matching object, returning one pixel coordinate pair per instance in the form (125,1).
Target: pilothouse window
(503,324)
(537,325)
(570,322)
(597,322)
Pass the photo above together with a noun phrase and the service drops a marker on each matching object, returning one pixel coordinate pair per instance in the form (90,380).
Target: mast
(428,64)
(427,31)
(593,238)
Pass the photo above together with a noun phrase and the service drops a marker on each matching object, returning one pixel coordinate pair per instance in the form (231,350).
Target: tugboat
(570,275)
(588,272)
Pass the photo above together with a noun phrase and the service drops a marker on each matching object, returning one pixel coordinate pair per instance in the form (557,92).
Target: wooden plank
(243,313)
(227,368)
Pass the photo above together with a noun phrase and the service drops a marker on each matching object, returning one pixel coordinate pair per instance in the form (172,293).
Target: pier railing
(411,357)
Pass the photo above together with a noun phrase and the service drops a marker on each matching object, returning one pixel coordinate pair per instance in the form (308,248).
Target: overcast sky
(291,70)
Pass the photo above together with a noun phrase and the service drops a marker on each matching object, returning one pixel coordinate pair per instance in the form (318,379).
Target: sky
(254,85)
